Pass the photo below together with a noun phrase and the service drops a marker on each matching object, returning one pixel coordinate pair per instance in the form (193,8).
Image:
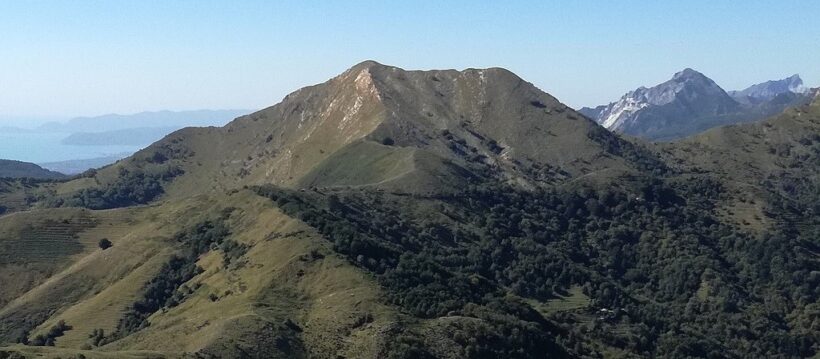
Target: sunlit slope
(488,121)
(287,275)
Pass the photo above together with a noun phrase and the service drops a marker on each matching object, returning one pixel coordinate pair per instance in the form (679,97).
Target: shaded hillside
(424,214)
(18,169)
(776,160)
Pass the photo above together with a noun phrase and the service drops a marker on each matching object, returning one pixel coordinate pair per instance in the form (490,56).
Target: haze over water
(47,147)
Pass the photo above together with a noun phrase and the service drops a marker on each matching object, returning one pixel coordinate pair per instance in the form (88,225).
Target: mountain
(690,103)
(18,169)
(73,167)
(131,136)
(113,122)
(768,90)
(427,126)
(126,132)
(423,214)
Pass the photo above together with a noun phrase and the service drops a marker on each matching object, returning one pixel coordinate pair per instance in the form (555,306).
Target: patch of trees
(53,333)
(173,150)
(131,187)
(167,289)
(684,282)
(96,338)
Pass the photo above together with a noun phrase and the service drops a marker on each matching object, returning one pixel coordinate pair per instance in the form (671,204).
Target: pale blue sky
(68,58)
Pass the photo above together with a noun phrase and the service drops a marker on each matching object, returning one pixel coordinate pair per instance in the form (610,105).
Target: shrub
(104,244)
(54,332)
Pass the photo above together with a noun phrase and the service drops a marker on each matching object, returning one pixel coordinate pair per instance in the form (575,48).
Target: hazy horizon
(94,58)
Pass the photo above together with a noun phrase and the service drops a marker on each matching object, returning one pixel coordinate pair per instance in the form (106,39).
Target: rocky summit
(690,103)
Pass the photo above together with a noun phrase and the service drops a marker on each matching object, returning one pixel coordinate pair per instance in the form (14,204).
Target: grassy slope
(279,281)
(361,163)
(71,278)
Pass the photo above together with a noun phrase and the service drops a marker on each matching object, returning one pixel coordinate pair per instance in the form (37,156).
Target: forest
(678,281)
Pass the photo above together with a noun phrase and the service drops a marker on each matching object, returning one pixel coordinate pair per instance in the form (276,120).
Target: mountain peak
(649,111)
(366,64)
(768,90)
(427,123)
(687,73)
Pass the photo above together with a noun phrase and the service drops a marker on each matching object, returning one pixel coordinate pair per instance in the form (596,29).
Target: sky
(64,58)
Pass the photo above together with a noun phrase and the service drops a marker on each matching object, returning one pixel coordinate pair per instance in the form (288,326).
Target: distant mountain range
(136,130)
(165,119)
(768,90)
(73,167)
(691,102)
(129,136)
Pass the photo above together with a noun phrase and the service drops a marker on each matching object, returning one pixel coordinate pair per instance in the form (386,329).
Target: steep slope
(690,103)
(425,214)
(474,123)
(641,265)
(276,291)
(777,158)
(17,169)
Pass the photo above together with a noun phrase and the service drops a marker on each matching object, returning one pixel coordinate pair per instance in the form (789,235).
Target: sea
(42,147)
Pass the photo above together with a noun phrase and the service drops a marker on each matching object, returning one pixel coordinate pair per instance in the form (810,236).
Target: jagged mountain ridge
(690,103)
(687,91)
(769,90)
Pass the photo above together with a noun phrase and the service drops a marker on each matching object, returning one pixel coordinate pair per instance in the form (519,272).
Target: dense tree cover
(131,187)
(682,282)
(636,154)
(139,183)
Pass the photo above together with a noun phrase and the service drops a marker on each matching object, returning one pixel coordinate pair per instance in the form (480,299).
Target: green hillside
(423,214)
(17,169)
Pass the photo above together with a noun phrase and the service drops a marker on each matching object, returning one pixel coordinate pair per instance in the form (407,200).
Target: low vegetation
(167,289)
